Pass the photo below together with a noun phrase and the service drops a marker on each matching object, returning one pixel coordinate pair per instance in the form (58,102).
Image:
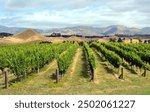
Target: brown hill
(29,35)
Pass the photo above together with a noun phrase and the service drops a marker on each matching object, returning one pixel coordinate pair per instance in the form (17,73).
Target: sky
(67,13)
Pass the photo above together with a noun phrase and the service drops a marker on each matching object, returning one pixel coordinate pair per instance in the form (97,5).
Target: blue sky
(67,13)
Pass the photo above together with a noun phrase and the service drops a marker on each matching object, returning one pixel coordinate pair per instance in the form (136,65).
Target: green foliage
(142,50)
(131,57)
(113,58)
(65,59)
(24,59)
(90,56)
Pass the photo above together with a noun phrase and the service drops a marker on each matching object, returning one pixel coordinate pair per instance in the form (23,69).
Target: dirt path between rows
(75,60)
(42,73)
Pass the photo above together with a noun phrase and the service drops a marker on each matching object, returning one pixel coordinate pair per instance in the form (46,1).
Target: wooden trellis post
(144,74)
(57,76)
(122,73)
(6,79)
(92,71)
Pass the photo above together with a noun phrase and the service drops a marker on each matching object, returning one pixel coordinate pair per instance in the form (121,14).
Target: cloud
(129,5)
(63,13)
(16,5)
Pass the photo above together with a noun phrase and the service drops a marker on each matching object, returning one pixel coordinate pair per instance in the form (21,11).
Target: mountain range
(15,30)
(83,30)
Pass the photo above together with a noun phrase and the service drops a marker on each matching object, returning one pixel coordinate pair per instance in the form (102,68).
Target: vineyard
(75,68)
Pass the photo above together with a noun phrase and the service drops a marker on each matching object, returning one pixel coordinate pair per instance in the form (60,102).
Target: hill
(14,30)
(83,30)
(120,29)
(146,30)
(78,30)
(27,36)
(29,33)
(99,31)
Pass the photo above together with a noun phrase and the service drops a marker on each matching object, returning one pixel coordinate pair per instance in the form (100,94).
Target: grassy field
(76,82)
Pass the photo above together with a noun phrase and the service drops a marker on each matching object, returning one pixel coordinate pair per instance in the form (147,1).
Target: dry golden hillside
(27,36)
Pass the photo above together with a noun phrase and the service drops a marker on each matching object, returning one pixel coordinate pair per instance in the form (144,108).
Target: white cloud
(53,13)
(58,4)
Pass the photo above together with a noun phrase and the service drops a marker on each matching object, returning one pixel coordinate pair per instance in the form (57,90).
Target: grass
(76,82)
